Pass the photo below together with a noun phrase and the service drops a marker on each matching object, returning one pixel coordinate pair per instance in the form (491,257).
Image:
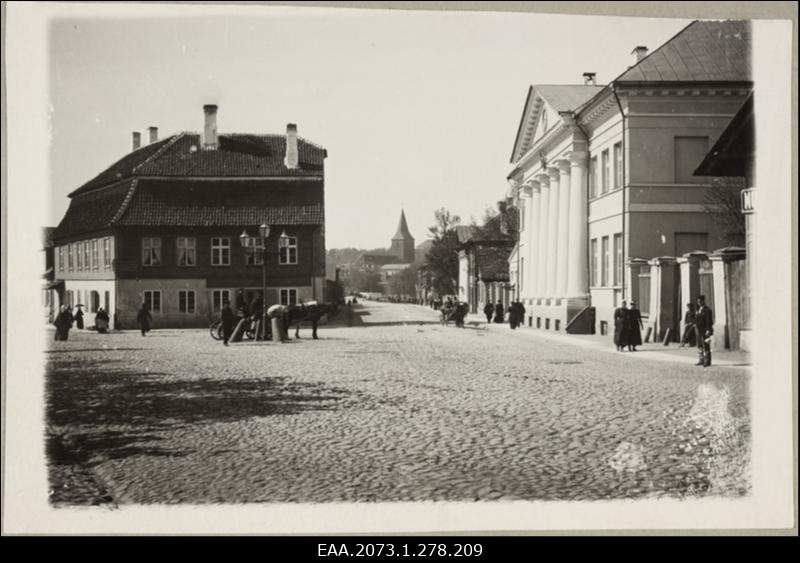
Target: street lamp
(258,245)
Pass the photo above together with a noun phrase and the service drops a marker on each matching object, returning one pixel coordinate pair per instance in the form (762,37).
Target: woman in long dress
(634,328)
(620,323)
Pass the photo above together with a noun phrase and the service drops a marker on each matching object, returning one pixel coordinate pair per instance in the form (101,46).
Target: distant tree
(403,283)
(722,204)
(361,280)
(442,257)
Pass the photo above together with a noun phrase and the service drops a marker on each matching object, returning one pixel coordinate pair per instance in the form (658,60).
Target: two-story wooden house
(162,226)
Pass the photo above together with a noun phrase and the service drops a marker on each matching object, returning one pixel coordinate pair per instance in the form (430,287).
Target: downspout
(624,185)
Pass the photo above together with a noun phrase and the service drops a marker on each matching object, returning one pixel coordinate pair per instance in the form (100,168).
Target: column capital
(563,165)
(577,158)
(553,172)
(543,179)
(525,191)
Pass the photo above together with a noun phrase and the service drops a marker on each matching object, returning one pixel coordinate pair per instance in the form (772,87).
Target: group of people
(66,318)
(627,327)
(496,313)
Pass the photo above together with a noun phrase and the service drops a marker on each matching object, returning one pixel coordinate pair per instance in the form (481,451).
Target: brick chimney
(210,131)
(639,52)
(153,133)
(589,78)
(292,157)
(137,140)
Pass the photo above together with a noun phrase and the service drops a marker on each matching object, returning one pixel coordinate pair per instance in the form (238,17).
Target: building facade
(162,227)
(604,179)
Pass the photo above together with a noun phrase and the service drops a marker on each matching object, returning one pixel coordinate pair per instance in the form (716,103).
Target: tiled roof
(704,51)
(238,155)
(192,203)
(93,211)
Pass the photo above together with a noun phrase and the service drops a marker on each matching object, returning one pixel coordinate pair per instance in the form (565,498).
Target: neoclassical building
(604,180)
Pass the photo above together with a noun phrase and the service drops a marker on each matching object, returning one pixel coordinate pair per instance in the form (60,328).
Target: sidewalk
(648,351)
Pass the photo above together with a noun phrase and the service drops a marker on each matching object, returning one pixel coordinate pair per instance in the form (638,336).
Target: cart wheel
(216,330)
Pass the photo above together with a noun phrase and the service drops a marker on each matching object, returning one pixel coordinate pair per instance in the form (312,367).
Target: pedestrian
(488,310)
(144,319)
(620,322)
(498,313)
(704,331)
(513,315)
(521,314)
(688,337)
(228,322)
(79,317)
(101,321)
(64,322)
(633,332)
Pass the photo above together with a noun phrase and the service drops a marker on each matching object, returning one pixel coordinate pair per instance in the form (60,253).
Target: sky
(417,110)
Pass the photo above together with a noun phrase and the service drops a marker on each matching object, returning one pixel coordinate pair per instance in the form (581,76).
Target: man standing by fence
(704,327)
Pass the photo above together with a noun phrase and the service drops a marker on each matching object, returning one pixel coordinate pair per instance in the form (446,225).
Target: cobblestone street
(395,407)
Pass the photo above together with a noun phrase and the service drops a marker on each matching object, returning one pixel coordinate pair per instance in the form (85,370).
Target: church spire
(402,227)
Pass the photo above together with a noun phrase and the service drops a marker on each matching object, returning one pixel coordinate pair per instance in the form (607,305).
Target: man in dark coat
(488,310)
(620,322)
(228,323)
(704,330)
(101,321)
(634,326)
(144,319)
(63,323)
(514,315)
(498,313)
(79,318)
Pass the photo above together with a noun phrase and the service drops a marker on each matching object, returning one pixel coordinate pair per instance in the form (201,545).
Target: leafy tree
(443,255)
(403,283)
(722,203)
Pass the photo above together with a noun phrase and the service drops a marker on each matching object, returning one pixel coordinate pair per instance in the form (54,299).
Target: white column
(543,231)
(526,196)
(563,229)
(532,240)
(552,234)
(578,280)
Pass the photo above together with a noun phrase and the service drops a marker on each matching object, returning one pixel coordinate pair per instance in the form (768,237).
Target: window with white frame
(95,260)
(594,264)
(106,253)
(254,257)
(618,165)
(288,296)
(606,172)
(218,299)
(618,259)
(79,255)
(288,254)
(186,301)
(60,258)
(151,251)
(606,261)
(70,258)
(187,251)
(87,265)
(152,299)
(220,251)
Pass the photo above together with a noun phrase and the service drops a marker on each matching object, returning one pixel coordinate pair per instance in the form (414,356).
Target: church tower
(403,242)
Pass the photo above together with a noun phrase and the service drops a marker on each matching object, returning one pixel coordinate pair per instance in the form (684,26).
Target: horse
(311,311)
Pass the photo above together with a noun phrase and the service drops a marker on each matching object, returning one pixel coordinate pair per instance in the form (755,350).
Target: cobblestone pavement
(392,408)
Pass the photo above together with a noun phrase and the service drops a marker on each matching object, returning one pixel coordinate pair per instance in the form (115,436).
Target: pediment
(537,119)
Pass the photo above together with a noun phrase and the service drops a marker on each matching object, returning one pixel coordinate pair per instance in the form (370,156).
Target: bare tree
(722,204)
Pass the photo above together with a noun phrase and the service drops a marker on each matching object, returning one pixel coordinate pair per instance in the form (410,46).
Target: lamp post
(259,244)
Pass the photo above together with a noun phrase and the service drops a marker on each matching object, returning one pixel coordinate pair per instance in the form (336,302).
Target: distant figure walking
(228,319)
(144,319)
(689,337)
(79,317)
(101,321)
(620,322)
(633,330)
(498,313)
(488,310)
(63,323)
(516,315)
(704,330)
